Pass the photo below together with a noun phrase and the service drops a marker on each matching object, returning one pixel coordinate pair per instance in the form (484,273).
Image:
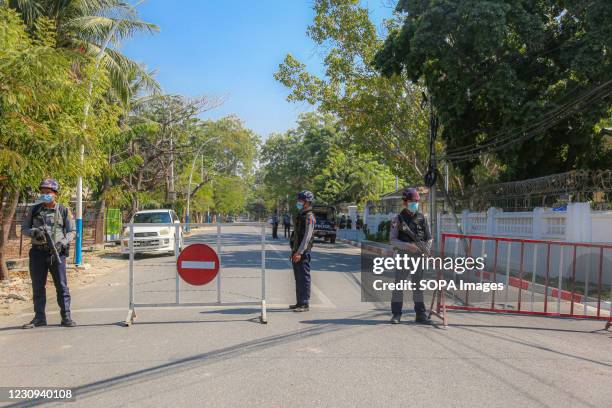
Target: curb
(356,244)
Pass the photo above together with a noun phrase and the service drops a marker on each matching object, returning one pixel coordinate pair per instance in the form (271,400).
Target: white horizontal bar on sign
(197,265)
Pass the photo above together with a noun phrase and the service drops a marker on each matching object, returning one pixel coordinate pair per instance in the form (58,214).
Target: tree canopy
(510,73)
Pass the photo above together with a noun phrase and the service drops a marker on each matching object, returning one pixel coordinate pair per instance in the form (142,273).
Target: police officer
(287,224)
(58,222)
(275,224)
(301,241)
(402,240)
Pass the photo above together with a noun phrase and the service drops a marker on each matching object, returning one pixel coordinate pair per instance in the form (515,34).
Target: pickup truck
(325,225)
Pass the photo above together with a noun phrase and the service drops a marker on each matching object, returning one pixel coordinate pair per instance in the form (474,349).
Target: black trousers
(397,298)
(287,230)
(301,272)
(275,230)
(40,265)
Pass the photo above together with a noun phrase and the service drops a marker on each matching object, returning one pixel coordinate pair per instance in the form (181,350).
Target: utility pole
(431,176)
(171,192)
(78,253)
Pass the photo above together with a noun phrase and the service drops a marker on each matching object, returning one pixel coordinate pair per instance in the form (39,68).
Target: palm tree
(87,26)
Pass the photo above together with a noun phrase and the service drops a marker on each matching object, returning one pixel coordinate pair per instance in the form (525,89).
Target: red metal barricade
(540,277)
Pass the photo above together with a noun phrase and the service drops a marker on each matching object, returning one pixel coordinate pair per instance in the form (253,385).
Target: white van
(151,239)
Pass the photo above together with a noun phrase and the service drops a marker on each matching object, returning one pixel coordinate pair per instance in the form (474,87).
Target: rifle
(420,244)
(50,243)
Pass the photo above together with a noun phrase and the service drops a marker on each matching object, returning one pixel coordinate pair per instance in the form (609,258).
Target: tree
(41,113)
(230,194)
(383,115)
(87,26)
(318,155)
(495,68)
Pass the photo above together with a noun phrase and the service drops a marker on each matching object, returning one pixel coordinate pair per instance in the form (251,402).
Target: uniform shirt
(286,219)
(59,231)
(308,232)
(394,231)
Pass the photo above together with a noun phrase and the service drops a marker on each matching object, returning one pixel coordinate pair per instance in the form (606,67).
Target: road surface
(343,353)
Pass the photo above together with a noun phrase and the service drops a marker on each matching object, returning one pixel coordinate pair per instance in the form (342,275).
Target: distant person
(343,221)
(301,244)
(349,222)
(49,217)
(359,222)
(287,224)
(275,224)
(408,226)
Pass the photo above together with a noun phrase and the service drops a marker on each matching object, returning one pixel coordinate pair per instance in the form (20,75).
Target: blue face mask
(299,205)
(46,198)
(413,207)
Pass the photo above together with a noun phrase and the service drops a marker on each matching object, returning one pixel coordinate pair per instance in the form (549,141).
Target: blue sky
(232,48)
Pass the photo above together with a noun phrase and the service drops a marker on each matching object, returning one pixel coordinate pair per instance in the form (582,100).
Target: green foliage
(318,155)
(382,234)
(41,106)
(229,195)
(497,66)
(86,26)
(383,115)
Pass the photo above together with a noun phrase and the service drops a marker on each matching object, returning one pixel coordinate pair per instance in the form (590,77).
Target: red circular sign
(198,264)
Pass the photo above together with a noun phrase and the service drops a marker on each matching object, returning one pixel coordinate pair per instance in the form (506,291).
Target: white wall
(577,224)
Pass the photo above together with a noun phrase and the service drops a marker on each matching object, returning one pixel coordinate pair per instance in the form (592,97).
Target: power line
(528,131)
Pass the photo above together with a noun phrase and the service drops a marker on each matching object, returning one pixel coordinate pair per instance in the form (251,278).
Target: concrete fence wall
(576,224)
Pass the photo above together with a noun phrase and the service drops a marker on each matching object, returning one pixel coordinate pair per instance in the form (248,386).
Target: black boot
(36,322)
(67,322)
(396,318)
(421,318)
(421,313)
(301,308)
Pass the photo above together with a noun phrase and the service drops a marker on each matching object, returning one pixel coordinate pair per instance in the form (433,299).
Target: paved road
(341,353)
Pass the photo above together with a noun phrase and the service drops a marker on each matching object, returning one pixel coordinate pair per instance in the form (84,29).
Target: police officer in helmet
(408,225)
(57,221)
(301,241)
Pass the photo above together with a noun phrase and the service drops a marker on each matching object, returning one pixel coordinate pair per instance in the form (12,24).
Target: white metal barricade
(133,304)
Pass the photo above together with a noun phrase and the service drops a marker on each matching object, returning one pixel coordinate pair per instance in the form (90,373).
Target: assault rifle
(50,243)
(420,244)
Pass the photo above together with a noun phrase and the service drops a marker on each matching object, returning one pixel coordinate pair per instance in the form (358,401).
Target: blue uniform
(301,243)
(60,224)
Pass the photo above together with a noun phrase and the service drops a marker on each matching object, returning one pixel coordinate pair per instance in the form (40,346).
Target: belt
(40,247)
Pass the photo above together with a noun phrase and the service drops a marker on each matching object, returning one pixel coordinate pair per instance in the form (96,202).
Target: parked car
(153,239)
(325,225)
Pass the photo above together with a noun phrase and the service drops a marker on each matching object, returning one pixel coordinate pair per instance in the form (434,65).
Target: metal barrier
(135,246)
(540,277)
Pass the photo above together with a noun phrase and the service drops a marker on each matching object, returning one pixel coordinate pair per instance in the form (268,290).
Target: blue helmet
(49,183)
(305,196)
(410,194)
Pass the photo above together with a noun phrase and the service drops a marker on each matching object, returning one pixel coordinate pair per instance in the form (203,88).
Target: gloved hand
(38,234)
(60,247)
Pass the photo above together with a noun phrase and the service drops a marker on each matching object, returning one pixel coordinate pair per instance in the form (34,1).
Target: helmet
(49,183)
(305,196)
(410,194)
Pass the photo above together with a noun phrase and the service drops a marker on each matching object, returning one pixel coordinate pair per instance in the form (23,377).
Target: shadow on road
(115,383)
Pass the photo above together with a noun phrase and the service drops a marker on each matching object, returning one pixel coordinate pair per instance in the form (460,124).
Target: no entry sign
(198,264)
